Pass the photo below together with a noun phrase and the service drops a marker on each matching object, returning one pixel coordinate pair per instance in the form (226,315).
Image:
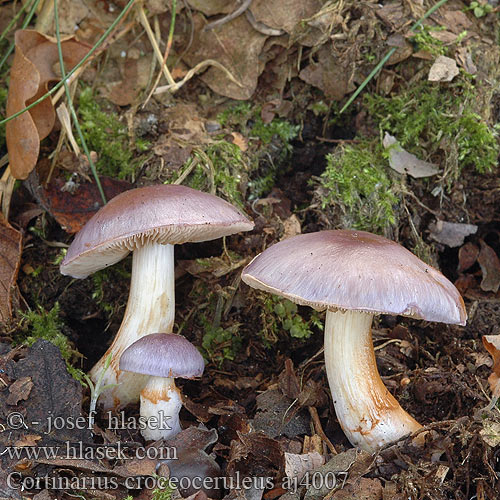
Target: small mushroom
(164,357)
(355,275)
(147,221)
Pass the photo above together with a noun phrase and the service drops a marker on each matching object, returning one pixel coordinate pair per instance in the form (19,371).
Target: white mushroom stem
(160,406)
(150,309)
(367,412)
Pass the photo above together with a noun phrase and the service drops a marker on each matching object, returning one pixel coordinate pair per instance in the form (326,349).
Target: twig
(319,429)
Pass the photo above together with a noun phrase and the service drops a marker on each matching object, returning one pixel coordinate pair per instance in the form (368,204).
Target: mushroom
(147,221)
(355,275)
(163,357)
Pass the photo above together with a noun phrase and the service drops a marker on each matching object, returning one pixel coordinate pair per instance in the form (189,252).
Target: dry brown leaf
(235,45)
(467,256)
(31,73)
(240,141)
(296,466)
(284,15)
(492,345)
(20,389)
(27,440)
(10,259)
(291,227)
(490,266)
(329,74)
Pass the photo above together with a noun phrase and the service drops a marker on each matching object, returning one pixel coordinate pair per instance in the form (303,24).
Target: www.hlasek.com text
(81,451)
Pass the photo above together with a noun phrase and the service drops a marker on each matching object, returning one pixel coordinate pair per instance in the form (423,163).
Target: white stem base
(160,406)
(150,309)
(367,412)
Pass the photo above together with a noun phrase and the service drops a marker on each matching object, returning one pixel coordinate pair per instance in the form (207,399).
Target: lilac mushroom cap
(162,356)
(163,214)
(355,270)
(355,275)
(147,221)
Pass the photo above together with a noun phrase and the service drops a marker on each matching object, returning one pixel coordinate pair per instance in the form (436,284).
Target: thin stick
(319,429)
(145,23)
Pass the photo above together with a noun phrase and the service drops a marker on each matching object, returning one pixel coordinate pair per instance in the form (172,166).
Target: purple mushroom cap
(163,355)
(355,270)
(161,214)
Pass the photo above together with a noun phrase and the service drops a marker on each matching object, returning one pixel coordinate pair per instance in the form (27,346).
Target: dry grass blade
(193,71)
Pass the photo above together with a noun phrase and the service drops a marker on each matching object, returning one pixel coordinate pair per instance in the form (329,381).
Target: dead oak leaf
(490,267)
(20,389)
(235,45)
(27,440)
(492,345)
(10,259)
(31,73)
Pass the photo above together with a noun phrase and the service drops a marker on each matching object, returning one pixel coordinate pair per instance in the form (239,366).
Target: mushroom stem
(160,406)
(367,412)
(150,308)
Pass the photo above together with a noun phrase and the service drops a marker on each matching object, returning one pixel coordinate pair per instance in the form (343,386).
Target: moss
(356,181)
(220,343)
(220,169)
(108,137)
(425,42)
(440,121)
(47,325)
(269,144)
(279,314)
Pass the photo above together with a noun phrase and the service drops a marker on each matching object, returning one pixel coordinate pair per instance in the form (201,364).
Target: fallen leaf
(275,415)
(406,163)
(444,69)
(291,227)
(274,14)
(492,345)
(451,234)
(490,433)
(464,58)
(235,45)
(296,466)
(31,73)
(10,260)
(27,440)
(490,266)
(351,464)
(20,389)
(73,210)
(362,489)
(54,394)
(467,256)
(212,7)
(240,141)
(329,74)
